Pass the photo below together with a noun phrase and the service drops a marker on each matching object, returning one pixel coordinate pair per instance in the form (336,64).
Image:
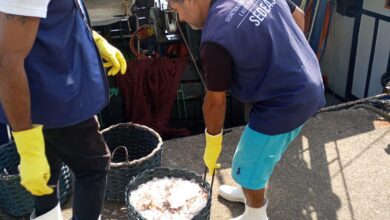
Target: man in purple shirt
(255,49)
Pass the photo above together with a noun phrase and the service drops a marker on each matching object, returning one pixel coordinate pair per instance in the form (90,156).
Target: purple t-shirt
(218,63)
(273,66)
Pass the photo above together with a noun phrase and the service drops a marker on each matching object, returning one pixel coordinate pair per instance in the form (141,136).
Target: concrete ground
(338,168)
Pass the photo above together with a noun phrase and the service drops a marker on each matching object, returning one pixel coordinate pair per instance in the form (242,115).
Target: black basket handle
(121,147)
(212,179)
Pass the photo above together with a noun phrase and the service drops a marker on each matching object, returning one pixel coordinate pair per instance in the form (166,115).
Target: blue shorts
(256,156)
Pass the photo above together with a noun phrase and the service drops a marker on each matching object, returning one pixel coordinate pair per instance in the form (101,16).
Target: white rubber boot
(231,193)
(254,213)
(54,214)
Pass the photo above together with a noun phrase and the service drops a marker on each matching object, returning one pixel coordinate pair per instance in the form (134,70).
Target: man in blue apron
(256,50)
(52,83)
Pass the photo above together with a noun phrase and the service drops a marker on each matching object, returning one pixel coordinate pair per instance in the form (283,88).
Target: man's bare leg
(254,198)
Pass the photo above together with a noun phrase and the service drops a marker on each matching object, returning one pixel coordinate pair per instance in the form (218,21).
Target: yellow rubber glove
(111,55)
(34,168)
(212,151)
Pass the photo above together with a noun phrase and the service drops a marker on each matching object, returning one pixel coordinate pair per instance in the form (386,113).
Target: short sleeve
(32,8)
(218,66)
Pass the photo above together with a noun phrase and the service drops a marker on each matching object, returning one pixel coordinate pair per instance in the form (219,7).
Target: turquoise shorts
(256,156)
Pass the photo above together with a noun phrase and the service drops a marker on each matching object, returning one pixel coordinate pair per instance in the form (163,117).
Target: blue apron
(66,77)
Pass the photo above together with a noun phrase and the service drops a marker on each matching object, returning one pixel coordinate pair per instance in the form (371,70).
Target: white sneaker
(231,193)
(54,214)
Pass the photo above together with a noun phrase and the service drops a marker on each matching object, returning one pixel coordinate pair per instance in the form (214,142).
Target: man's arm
(17,36)
(214,108)
(299,17)
(218,66)
(298,14)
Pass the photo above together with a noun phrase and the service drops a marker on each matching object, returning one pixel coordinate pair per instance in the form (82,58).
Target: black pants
(83,149)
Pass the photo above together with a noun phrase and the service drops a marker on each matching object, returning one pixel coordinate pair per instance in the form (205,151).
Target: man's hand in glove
(34,168)
(212,151)
(111,55)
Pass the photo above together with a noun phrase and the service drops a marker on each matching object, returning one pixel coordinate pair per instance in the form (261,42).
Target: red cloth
(149,90)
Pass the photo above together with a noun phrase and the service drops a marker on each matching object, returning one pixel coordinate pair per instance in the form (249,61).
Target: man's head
(193,12)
